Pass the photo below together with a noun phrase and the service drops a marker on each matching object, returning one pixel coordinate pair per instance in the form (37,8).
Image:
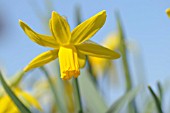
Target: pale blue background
(145,22)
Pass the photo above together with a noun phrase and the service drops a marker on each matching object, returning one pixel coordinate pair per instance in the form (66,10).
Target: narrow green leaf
(15,99)
(160,91)
(157,101)
(123,50)
(91,96)
(126,98)
(53,89)
(78,14)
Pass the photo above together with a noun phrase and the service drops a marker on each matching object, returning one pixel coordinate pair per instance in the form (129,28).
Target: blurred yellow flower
(69,47)
(69,97)
(8,106)
(168,12)
(99,65)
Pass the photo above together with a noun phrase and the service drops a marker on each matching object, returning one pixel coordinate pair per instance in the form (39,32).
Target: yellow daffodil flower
(168,12)
(69,47)
(8,106)
(100,65)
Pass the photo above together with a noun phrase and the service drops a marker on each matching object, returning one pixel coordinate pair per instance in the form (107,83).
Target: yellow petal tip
(54,13)
(20,21)
(103,12)
(168,12)
(118,55)
(26,69)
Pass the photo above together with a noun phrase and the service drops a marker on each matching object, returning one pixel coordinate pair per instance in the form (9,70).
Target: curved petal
(42,40)
(93,49)
(42,59)
(168,12)
(30,99)
(81,59)
(60,28)
(88,28)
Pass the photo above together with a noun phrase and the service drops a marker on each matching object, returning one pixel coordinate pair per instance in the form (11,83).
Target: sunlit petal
(88,28)
(42,40)
(93,49)
(42,59)
(60,28)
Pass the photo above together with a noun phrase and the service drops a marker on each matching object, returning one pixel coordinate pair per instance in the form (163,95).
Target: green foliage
(15,99)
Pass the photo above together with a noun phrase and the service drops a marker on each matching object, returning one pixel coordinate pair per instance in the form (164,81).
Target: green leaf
(157,101)
(15,99)
(53,88)
(126,98)
(91,97)
(160,89)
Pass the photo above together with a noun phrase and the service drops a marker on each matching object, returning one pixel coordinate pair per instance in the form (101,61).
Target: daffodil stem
(77,95)
(52,89)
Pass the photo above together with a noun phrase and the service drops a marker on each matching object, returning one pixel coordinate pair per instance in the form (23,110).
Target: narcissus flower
(168,12)
(69,47)
(8,106)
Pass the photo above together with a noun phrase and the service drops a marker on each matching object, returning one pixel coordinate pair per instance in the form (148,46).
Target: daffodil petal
(42,59)
(60,28)
(112,42)
(88,28)
(42,40)
(93,49)
(4,102)
(168,12)
(31,100)
(81,59)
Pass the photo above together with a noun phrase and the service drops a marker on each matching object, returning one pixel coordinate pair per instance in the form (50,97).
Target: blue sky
(145,22)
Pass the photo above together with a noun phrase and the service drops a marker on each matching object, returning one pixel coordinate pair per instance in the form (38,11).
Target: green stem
(77,95)
(157,101)
(61,109)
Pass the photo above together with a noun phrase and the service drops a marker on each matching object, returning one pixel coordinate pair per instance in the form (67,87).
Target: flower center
(68,59)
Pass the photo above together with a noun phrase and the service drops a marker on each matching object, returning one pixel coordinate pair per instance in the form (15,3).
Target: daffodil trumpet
(69,47)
